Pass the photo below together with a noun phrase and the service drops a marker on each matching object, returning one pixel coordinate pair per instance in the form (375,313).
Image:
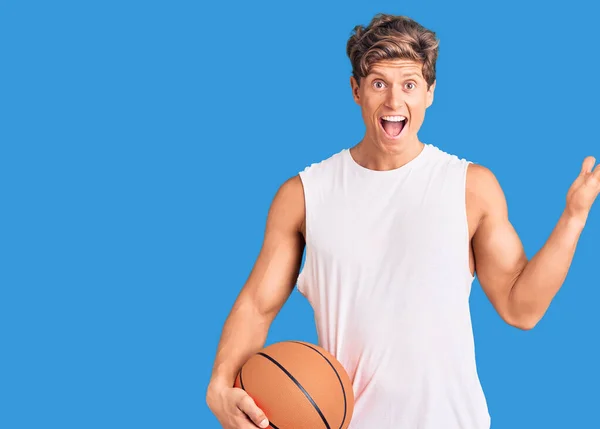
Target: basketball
(298,385)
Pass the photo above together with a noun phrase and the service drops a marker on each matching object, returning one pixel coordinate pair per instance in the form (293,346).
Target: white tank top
(387,274)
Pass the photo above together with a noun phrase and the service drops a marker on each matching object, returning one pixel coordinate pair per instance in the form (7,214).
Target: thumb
(588,164)
(247,405)
(594,178)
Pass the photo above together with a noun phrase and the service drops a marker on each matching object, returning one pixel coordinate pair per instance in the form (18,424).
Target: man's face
(393,100)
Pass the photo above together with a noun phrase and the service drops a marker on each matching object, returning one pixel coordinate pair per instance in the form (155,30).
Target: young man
(394,231)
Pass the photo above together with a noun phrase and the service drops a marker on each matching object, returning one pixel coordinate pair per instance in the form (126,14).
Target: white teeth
(394,118)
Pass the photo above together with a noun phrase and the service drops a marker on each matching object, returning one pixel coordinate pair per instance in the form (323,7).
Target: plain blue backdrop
(142,143)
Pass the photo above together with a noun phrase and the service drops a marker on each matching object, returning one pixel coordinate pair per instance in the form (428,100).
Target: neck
(375,157)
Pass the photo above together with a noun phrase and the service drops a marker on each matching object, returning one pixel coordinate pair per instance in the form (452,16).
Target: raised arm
(269,285)
(520,290)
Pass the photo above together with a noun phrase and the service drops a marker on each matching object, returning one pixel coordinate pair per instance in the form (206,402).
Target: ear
(430,92)
(355,90)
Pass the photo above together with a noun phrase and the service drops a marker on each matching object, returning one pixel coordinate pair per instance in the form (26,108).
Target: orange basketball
(299,386)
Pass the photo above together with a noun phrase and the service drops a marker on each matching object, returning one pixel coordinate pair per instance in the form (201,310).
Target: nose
(395,98)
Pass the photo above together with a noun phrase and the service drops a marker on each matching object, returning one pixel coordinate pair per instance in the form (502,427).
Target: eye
(378,84)
(413,85)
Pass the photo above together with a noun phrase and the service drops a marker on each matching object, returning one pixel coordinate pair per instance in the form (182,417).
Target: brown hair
(390,37)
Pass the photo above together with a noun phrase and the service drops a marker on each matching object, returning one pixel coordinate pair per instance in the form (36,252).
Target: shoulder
(446,160)
(287,208)
(318,169)
(290,193)
(484,191)
(290,190)
(480,177)
(289,204)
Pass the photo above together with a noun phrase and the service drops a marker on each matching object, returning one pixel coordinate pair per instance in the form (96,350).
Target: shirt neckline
(410,164)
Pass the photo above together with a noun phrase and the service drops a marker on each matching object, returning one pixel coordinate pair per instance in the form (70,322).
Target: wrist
(217,383)
(573,221)
(213,392)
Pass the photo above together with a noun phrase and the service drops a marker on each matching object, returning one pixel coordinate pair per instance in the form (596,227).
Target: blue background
(142,143)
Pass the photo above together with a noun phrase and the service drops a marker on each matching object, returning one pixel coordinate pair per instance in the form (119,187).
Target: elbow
(523,315)
(525,325)
(524,322)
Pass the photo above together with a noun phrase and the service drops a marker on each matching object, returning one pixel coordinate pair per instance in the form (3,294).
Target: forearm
(545,273)
(244,333)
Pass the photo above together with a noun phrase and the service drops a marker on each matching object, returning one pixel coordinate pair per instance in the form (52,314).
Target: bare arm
(521,290)
(269,285)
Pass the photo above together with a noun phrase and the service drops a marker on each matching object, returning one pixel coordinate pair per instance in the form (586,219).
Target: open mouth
(392,126)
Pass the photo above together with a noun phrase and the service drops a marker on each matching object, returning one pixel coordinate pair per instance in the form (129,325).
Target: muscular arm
(269,285)
(520,290)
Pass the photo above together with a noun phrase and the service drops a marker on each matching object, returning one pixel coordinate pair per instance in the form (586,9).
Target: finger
(597,171)
(587,165)
(255,414)
(594,178)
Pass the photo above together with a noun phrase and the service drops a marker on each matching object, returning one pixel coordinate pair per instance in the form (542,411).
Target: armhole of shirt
(302,276)
(464,215)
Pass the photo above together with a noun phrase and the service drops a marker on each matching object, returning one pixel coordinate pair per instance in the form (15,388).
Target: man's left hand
(584,190)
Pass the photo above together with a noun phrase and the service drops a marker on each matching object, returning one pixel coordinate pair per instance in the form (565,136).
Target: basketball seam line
(336,373)
(297,383)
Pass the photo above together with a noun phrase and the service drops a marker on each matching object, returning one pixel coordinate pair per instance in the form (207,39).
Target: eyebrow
(406,76)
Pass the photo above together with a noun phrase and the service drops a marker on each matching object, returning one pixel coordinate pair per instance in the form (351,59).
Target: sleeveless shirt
(387,274)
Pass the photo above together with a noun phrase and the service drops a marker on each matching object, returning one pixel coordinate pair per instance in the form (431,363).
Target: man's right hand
(235,409)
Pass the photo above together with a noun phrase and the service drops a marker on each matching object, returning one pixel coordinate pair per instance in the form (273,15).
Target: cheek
(370,111)
(418,107)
